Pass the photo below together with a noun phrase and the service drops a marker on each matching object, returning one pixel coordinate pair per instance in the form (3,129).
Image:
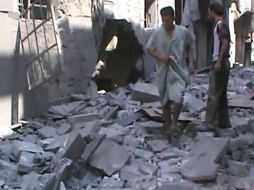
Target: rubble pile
(116,141)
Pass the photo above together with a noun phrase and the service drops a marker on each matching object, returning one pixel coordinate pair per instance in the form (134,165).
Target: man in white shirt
(169,45)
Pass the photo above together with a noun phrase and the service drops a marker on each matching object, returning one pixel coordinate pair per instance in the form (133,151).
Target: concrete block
(112,113)
(132,117)
(26,162)
(92,147)
(19,146)
(239,169)
(177,186)
(82,118)
(63,129)
(157,145)
(204,154)
(114,131)
(131,172)
(31,138)
(148,169)
(246,183)
(145,92)
(62,169)
(73,147)
(90,129)
(144,154)
(56,143)
(110,183)
(47,132)
(193,104)
(109,150)
(65,109)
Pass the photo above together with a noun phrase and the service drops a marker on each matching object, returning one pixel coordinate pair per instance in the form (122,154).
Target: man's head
(167,17)
(216,9)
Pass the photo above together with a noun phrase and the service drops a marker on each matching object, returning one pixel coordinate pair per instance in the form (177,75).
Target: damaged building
(60,131)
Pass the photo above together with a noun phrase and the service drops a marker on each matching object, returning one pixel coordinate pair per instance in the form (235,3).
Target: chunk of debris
(47,132)
(111,183)
(73,147)
(19,146)
(204,155)
(157,145)
(109,150)
(26,162)
(145,92)
(132,117)
(192,103)
(239,169)
(82,118)
(148,169)
(64,128)
(178,186)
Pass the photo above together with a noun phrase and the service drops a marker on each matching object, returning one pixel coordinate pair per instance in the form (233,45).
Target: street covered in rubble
(115,140)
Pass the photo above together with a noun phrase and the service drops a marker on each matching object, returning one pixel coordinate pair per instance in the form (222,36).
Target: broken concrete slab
(205,153)
(92,147)
(239,169)
(148,169)
(193,104)
(111,183)
(19,146)
(73,147)
(199,169)
(114,131)
(31,138)
(26,162)
(240,102)
(145,92)
(109,150)
(112,113)
(90,129)
(246,183)
(64,128)
(131,172)
(158,145)
(153,113)
(169,154)
(82,118)
(62,170)
(47,132)
(144,154)
(132,117)
(65,109)
(178,186)
(56,143)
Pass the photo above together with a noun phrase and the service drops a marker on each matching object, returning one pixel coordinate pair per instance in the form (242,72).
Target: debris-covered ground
(115,141)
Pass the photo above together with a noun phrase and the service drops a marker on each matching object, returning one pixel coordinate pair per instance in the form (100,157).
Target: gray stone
(110,183)
(75,120)
(56,143)
(89,179)
(239,169)
(62,170)
(145,92)
(114,131)
(177,186)
(127,120)
(26,162)
(144,154)
(64,128)
(157,145)
(204,154)
(222,179)
(112,113)
(168,154)
(246,183)
(47,132)
(19,146)
(65,109)
(150,185)
(90,129)
(192,103)
(73,147)
(236,144)
(131,172)
(109,150)
(148,169)
(31,138)
(92,147)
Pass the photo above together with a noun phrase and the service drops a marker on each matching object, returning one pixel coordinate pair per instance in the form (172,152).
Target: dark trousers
(217,103)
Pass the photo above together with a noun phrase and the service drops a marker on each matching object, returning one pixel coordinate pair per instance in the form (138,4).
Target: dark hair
(217,8)
(167,11)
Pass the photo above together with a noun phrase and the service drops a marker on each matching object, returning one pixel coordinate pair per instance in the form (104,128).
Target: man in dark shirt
(217,105)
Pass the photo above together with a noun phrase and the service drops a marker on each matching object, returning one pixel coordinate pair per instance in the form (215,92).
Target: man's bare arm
(160,57)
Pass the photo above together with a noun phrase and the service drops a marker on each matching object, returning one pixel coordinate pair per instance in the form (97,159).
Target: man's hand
(217,66)
(163,58)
